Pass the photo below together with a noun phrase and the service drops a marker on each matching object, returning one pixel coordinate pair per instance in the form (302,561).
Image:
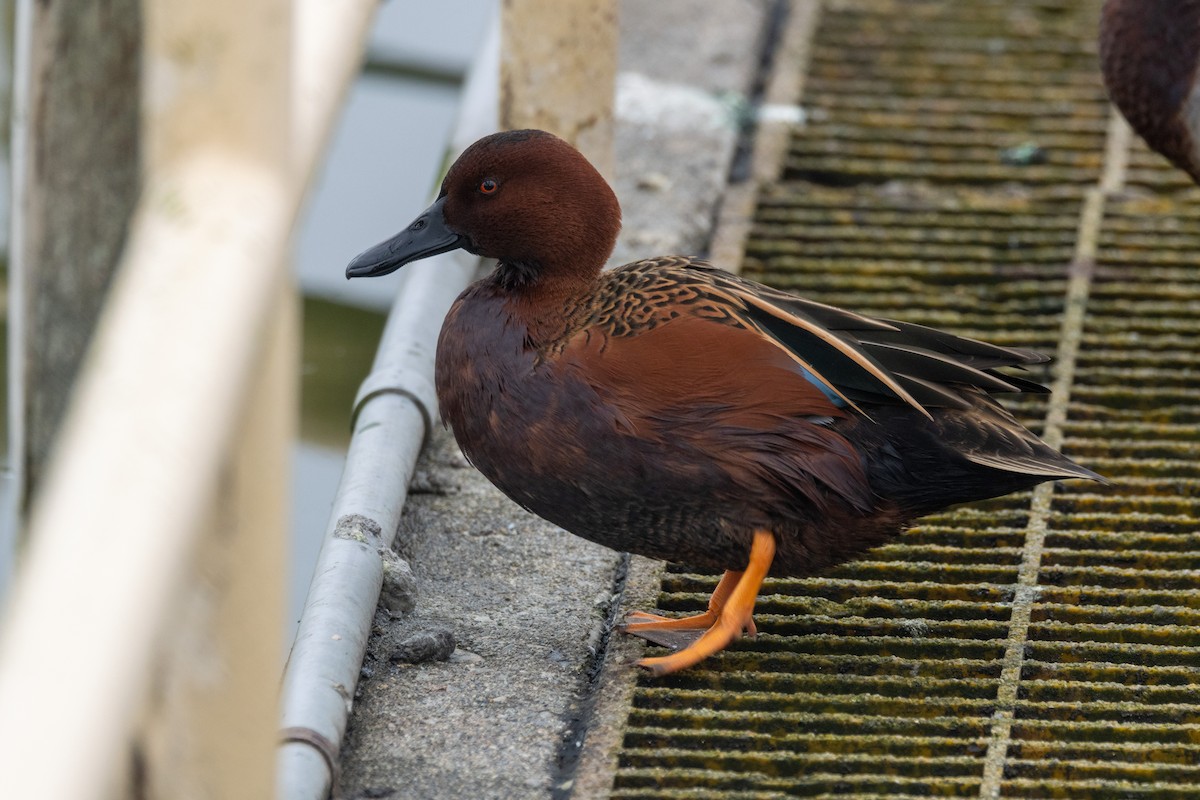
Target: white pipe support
(121,508)
(408,381)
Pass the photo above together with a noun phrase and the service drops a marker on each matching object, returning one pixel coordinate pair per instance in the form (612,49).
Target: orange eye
(488,186)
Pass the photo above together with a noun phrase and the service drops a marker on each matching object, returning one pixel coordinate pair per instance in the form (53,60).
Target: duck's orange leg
(734,617)
(639,621)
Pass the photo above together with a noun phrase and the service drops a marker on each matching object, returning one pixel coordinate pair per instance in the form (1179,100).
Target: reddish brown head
(526,198)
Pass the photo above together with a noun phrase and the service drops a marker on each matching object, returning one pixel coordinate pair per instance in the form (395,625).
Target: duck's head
(524,197)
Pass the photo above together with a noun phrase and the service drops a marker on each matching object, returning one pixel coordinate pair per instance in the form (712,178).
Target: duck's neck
(548,302)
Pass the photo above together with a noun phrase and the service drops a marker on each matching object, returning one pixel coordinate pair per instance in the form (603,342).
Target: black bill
(426,236)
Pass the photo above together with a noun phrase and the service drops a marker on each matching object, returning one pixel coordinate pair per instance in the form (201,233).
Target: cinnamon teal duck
(1149,55)
(672,409)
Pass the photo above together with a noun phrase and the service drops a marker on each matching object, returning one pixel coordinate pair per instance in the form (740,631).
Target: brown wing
(868,360)
(728,392)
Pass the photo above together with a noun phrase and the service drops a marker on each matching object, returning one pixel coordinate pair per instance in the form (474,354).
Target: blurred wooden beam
(156,537)
(558,69)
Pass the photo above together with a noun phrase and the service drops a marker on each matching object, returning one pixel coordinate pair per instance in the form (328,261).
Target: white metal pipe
(390,427)
(394,408)
(11,499)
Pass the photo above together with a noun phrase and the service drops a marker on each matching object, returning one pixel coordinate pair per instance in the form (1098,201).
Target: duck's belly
(672,490)
(654,504)
(657,497)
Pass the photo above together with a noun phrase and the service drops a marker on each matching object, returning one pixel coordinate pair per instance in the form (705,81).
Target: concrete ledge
(468,695)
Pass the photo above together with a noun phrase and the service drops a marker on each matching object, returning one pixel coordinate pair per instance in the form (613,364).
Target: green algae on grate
(899,653)
(966,93)
(958,661)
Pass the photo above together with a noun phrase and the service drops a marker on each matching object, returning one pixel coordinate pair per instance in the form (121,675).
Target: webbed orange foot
(638,622)
(730,612)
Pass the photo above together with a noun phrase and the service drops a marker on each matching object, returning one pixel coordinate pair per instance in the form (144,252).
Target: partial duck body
(1150,58)
(672,409)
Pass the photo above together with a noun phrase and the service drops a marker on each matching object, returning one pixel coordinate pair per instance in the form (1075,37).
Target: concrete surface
(687,68)
(525,605)
(528,606)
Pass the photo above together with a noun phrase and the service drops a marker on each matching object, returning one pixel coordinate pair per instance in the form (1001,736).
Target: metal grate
(1108,702)
(1039,645)
(968,92)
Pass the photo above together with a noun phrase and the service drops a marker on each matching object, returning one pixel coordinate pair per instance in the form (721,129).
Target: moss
(882,677)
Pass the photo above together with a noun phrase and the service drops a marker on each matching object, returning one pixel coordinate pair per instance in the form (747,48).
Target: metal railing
(141,640)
